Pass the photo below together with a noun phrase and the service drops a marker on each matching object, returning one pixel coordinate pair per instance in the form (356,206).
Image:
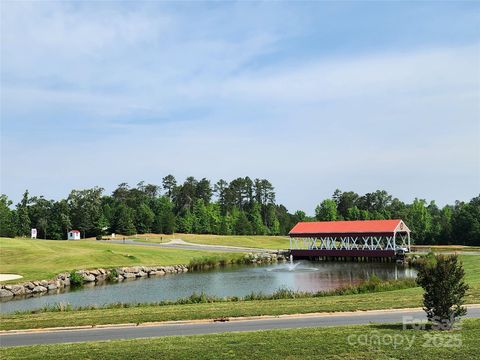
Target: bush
(445,288)
(423,260)
(75,279)
(99,237)
(112,275)
(207,262)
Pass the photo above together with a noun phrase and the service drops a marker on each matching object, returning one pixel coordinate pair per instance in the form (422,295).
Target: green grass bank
(43,259)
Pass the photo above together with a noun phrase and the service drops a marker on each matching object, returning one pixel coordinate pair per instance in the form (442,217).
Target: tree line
(240,207)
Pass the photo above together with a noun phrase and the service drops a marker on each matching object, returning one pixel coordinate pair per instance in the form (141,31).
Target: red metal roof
(346,227)
(74,231)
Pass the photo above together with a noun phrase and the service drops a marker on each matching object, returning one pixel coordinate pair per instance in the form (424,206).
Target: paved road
(148,331)
(189,246)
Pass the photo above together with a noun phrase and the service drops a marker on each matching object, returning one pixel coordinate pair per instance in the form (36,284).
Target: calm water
(233,281)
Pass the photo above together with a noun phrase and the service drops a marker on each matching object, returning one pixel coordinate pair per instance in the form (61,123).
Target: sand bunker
(6,277)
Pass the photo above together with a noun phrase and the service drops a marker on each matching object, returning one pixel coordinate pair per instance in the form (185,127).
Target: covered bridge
(360,238)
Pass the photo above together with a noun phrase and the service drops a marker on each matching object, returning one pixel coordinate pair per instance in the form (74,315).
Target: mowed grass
(249,241)
(342,342)
(405,298)
(43,259)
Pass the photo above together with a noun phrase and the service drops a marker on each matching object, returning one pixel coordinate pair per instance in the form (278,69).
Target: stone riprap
(62,281)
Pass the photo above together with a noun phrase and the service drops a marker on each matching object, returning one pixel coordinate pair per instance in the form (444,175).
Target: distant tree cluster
(240,207)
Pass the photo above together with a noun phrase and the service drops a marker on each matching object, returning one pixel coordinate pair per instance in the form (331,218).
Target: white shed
(74,235)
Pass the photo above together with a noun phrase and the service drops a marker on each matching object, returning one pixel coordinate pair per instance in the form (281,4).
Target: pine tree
(201,224)
(168,223)
(124,221)
(256,220)
(242,225)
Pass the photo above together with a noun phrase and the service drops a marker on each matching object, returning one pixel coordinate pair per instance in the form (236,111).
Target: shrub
(423,260)
(75,279)
(99,237)
(112,275)
(445,288)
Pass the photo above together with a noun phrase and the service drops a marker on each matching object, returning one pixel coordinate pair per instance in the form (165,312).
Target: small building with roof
(73,235)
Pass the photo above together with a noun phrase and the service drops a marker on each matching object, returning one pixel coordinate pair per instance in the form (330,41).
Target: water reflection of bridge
(368,240)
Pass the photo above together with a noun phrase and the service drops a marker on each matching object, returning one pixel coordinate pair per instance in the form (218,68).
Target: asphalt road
(195,328)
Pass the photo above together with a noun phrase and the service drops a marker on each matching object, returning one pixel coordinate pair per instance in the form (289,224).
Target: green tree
(353,213)
(220,190)
(185,195)
(124,220)
(446,215)
(345,201)
(466,222)
(164,218)
(7,218)
(185,223)
(226,225)
(102,225)
(43,225)
(169,223)
(444,283)
(300,216)
(41,212)
(242,225)
(214,217)
(204,191)
(23,218)
(202,221)
(169,185)
(255,218)
(326,211)
(60,222)
(144,218)
(86,208)
(419,220)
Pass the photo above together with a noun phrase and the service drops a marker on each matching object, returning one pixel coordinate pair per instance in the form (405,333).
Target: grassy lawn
(43,259)
(251,241)
(314,343)
(383,300)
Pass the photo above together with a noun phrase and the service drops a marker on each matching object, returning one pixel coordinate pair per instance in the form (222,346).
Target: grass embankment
(445,248)
(404,298)
(249,241)
(43,259)
(312,343)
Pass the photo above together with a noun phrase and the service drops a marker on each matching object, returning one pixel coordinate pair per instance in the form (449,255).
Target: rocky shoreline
(100,276)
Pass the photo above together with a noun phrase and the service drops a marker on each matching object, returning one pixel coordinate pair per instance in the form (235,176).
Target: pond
(229,281)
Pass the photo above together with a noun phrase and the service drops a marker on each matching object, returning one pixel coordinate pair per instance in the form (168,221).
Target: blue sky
(311,95)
